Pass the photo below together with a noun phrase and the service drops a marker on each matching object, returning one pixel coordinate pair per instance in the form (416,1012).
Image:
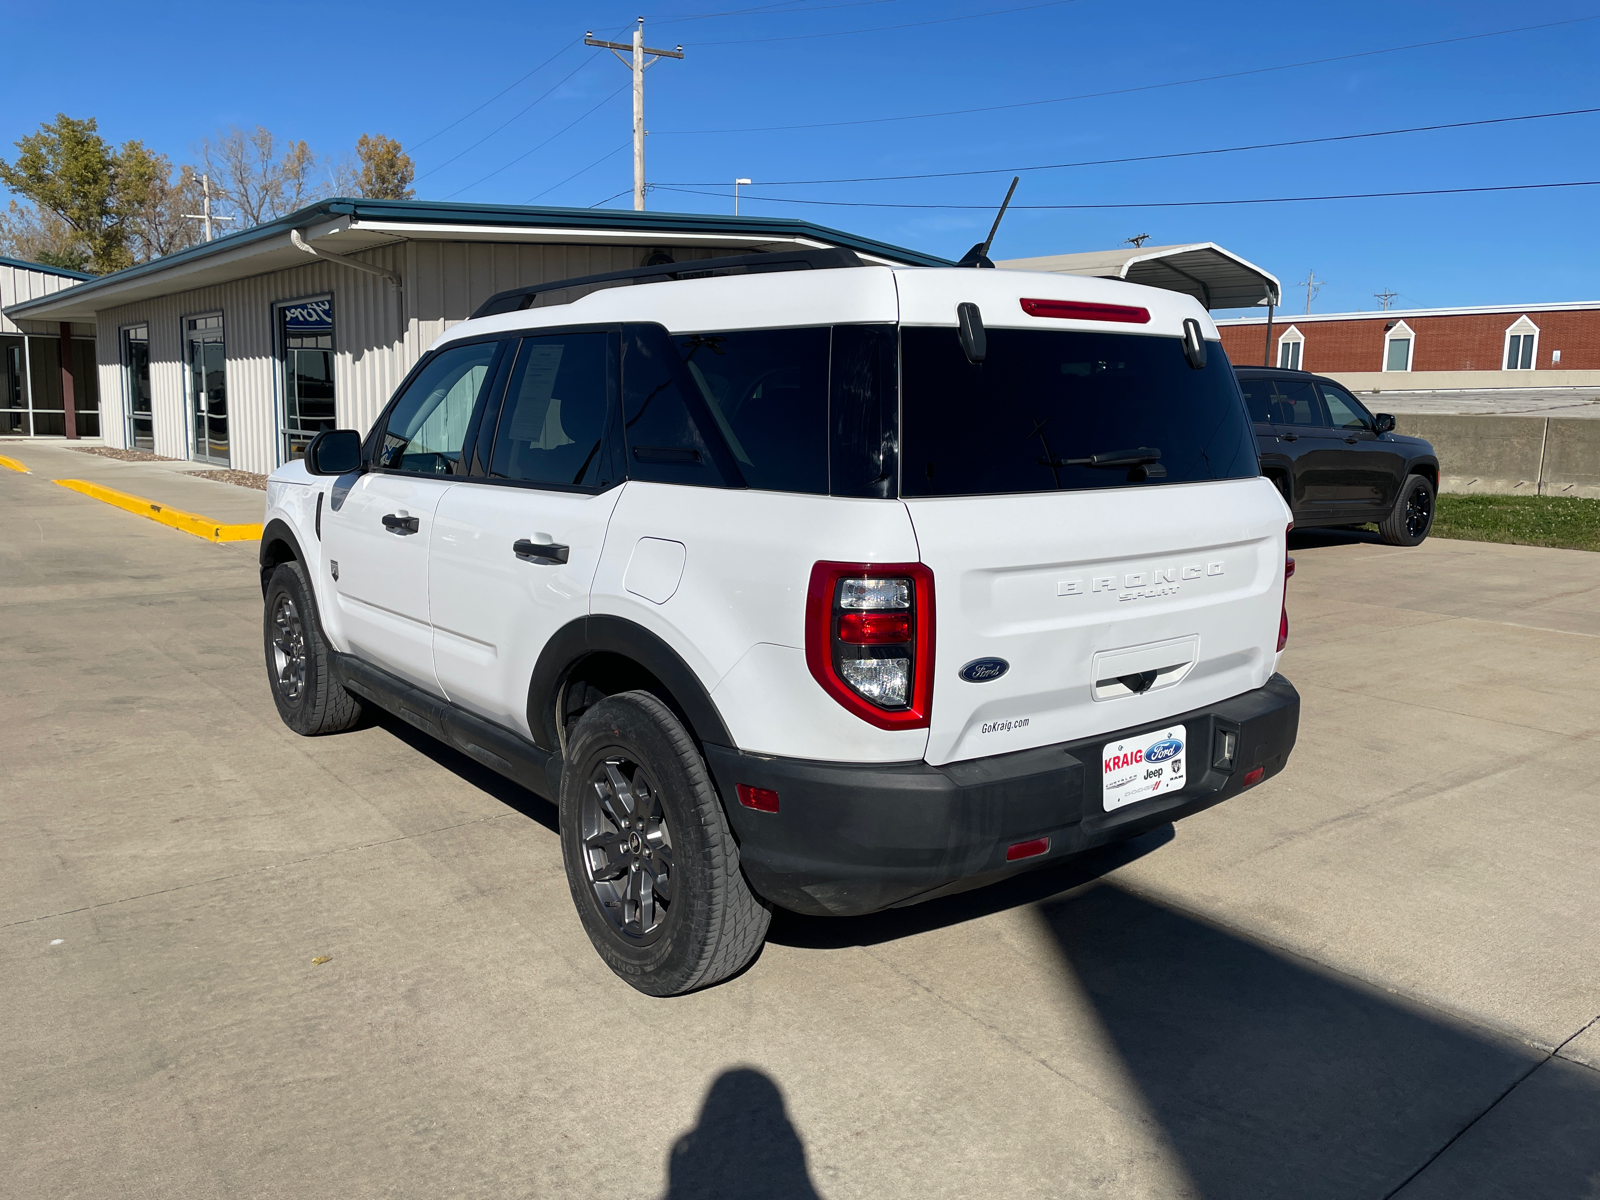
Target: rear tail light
(1283,615)
(869,639)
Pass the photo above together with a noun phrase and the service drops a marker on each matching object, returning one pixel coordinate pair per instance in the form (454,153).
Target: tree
(386,169)
(71,174)
(163,226)
(254,180)
(41,237)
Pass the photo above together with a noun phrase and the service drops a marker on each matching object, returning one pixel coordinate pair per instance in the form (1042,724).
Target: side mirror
(1383,422)
(1194,344)
(334,452)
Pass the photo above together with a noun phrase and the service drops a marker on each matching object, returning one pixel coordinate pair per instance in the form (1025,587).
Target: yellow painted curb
(203,527)
(12,464)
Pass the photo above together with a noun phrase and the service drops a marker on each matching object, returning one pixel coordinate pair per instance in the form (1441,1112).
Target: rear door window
(1282,402)
(1048,411)
(553,422)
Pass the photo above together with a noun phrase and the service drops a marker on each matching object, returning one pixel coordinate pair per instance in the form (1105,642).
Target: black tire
(1412,517)
(309,699)
(638,811)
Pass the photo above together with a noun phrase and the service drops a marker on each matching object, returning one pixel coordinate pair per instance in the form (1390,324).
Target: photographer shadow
(743,1147)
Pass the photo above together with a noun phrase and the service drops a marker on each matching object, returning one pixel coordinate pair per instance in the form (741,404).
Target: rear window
(1043,404)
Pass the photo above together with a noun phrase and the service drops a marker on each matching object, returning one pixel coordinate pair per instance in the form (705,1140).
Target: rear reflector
(1028,849)
(1081,310)
(760,799)
(1253,776)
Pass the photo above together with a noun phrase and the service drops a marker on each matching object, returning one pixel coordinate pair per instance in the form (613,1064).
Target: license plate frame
(1143,767)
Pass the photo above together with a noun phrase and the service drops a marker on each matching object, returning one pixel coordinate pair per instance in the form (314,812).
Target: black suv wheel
(651,862)
(309,699)
(1408,524)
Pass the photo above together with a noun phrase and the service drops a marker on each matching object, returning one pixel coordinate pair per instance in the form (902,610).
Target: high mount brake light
(869,639)
(1283,615)
(1083,310)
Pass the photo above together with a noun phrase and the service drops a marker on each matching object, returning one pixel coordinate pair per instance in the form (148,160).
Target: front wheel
(309,699)
(651,862)
(1412,517)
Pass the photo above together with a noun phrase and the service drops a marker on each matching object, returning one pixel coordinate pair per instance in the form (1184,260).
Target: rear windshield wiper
(1137,457)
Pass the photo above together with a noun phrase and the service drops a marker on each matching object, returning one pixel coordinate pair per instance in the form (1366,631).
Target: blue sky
(411,70)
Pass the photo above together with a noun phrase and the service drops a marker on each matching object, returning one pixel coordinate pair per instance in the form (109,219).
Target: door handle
(546,552)
(1352,439)
(1289,437)
(400,525)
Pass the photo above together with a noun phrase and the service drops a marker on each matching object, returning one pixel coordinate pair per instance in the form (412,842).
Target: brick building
(1537,345)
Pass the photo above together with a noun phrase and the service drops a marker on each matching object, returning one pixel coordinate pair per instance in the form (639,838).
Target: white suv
(802,582)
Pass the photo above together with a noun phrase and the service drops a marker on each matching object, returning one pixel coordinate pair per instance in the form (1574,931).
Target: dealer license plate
(1151,764)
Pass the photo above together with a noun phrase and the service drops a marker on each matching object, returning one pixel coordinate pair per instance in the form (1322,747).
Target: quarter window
(429,422)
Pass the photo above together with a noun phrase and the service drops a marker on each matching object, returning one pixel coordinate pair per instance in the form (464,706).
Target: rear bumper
(853,838)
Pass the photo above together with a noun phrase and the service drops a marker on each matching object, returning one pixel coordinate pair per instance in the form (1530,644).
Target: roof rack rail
(565,291)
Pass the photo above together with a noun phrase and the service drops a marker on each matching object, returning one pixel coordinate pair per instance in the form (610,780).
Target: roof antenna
(978,256)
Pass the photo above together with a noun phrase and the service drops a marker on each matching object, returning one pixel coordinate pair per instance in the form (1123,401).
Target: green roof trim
(43,269)
(511,216)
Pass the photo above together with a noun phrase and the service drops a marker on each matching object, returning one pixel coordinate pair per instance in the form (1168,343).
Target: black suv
(1336,463)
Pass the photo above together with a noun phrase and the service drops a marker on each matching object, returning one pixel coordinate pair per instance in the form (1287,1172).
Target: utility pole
(636,64)
(204,216)
(736,184)
(1312,285)
(1137,241)
(1385,297)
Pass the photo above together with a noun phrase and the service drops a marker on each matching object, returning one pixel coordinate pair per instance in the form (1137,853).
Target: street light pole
(736,184)
(635,63)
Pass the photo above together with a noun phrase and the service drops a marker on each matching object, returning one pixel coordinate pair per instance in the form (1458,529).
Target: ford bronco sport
(797,581)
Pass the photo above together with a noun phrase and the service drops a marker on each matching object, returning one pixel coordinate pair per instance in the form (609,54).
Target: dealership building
(237,351)
(1430,349)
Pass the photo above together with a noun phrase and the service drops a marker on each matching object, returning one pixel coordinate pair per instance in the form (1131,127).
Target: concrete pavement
(1377,974)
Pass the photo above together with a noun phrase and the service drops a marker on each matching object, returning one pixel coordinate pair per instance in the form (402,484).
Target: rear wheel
(651,863)
(309,699)
(1412,517)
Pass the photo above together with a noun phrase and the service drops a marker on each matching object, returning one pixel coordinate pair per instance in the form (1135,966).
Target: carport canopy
(1216,277)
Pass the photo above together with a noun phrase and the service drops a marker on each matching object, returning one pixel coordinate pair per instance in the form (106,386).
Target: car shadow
(511,794)
(743,1145)
(1272,1076)
(1315,539)
(1032,887)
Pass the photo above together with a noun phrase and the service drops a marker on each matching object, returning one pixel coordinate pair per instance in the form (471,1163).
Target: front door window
(208,389)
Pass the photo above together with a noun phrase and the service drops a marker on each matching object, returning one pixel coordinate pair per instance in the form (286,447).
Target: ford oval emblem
(1164,749)
(982,670)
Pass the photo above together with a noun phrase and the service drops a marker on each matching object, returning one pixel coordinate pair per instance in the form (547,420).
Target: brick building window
(1290,346)
(1522,345)
(1398,343)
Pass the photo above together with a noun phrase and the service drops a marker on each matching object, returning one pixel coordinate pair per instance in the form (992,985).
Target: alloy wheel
(1419,512)
(627,849)
(288,649)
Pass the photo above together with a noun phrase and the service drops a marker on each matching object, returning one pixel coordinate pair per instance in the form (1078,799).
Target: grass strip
(1565,522)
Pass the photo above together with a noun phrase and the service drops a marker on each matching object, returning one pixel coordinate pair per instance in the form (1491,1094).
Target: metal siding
(379,333)
(18,284)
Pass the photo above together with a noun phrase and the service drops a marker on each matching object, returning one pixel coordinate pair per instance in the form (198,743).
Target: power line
(496,96)
(1102,162)
(803,37)
(609,199)
(782,9)
(541,145)
(514,116)
(1510,187)
(1148,87)
(585,171)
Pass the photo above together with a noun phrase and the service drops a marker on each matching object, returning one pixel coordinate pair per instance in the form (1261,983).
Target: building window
(1522,345)
(136,387)
(305,329)
(14,388)
(1398,341)
(1289,348)
(205,353)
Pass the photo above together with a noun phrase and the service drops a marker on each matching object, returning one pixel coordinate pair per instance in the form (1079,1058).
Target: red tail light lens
(869,639)
(1079,310)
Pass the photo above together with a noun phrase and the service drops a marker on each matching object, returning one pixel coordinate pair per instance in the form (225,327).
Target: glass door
(136,366)
(208,389)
